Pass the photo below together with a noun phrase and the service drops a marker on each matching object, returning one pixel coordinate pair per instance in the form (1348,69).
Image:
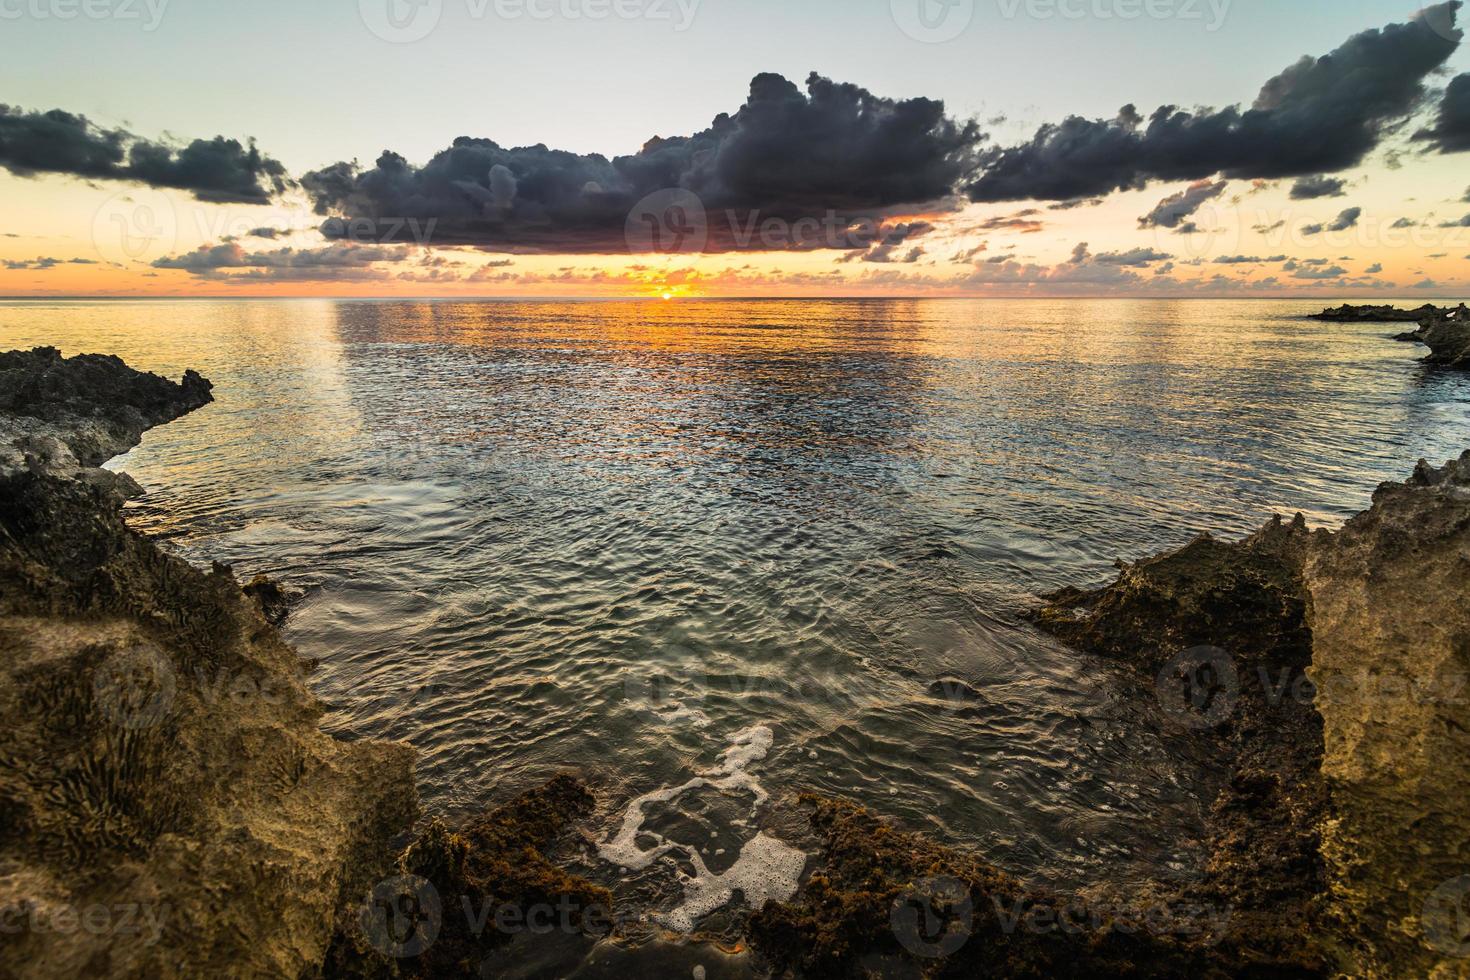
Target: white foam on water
(766,868)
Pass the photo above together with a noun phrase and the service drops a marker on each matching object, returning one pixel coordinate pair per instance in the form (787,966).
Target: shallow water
(607,537)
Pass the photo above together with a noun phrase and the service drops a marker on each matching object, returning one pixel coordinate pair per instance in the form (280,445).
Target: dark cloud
(1248,259)
(1133,258)
(1311,188)
(219,170)
(1451,130)
(1172,210)
(785,156)
(1373,269)
(337,261)
(1405,223)
(1321,115)
(1462,223)
(1346,219)
(44,263)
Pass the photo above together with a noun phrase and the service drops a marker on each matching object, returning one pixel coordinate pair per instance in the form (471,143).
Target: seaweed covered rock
(1390,611)
(460,894)
(889,903)
(1220,630)
(1245,597)
(170,805)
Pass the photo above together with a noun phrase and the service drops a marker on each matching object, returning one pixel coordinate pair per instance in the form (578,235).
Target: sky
(827,147)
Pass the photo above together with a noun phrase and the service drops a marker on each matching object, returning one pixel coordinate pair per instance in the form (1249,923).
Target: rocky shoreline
(164,763)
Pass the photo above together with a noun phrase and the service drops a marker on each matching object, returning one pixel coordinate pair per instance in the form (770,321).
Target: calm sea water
(608,536)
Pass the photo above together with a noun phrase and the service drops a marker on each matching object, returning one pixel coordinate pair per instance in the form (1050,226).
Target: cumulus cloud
(1451,130)
(1172,210)
(1248,259)
(218,170)
(786,156)
(1311,188)
(1320,115)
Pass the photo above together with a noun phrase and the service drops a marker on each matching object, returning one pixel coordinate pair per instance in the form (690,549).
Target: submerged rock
(170,805)
(1390,612)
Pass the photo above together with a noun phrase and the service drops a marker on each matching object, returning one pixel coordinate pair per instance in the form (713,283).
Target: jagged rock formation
(1347,313)
(168,804)
(1447,335)
(1390,614)
(66,416)
(466,883)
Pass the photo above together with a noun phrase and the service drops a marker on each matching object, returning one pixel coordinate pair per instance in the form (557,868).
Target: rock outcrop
(1447,335)
(1347,313)
(168,804)
(1390,615)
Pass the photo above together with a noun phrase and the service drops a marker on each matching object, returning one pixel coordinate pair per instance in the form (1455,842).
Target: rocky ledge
(1347,313)
(1447,335)
(168,804)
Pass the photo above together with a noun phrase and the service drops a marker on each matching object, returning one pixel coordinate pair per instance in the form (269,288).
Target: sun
(668,296)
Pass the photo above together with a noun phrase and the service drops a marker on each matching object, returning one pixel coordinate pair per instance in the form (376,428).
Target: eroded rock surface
(170,806)
(1390,612)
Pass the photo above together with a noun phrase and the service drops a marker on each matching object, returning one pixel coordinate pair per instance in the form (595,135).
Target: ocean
(637,540)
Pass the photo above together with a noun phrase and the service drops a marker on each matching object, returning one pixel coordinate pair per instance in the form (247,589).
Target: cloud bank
(218,170)
(1319,116)
(785,156)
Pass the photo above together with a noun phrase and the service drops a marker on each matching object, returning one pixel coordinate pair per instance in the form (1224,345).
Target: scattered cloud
(1311,188)
(1172,210)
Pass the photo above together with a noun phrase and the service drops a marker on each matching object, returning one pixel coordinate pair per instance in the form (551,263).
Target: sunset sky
(830,147)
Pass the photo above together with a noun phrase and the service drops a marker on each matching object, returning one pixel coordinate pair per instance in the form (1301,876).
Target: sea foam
(767,869)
